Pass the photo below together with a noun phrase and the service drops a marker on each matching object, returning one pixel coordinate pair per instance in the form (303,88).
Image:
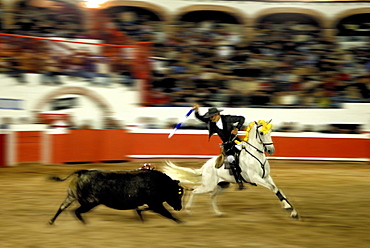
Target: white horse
(255,169)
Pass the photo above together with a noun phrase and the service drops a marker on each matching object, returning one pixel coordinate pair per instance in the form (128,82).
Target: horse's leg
(209,184)
(189,202)
(197,190)
(269,183)
(214,195)
(286,204)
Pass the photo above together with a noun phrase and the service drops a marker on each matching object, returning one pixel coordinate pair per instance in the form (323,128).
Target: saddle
(220,160)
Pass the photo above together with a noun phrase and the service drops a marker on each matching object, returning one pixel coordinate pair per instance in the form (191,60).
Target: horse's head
(262,135)
(263,132)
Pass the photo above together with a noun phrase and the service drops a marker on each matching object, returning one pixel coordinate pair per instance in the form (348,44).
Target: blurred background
(90,84)
(303,64)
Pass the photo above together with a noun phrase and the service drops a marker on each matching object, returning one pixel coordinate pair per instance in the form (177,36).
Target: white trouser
(230,159)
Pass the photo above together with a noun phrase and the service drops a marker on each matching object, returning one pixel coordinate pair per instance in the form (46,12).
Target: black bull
(122,190)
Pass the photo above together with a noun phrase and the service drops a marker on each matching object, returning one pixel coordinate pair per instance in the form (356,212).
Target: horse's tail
(58,179)
(183,174)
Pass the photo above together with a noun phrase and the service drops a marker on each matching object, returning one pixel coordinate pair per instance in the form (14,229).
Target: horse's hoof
(294,214)
(289,209)
(188,212)
(219,214)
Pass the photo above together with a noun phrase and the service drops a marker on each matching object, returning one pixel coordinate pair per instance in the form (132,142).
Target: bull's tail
(183,174)
(58,179)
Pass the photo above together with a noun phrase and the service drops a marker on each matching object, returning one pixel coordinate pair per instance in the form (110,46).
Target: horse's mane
(266,126)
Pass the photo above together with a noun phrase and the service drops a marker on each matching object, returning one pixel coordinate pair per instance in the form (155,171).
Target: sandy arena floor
(333,200)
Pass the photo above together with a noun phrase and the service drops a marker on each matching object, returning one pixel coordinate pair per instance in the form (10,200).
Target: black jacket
(229,122)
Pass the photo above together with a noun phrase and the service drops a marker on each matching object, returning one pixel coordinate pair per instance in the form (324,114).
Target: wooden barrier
(81,146)
(302,146)
(92,146)
(322,148)
(157,144)
(88,146)
(2,149)
(114,145)
(28,145)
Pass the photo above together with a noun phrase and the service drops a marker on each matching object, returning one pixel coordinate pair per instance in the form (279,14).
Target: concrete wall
(123,103)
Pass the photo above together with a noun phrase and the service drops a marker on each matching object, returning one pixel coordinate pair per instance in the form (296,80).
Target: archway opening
(354,28)
(141,14)
(280,18)
(209,15)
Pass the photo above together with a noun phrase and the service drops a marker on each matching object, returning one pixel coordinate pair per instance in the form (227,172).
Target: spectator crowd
(285,65)
(209,62)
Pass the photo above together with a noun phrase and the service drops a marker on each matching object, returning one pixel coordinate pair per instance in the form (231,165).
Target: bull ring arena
(331,197)
(56,122)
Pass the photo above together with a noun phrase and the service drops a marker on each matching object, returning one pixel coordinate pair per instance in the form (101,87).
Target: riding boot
(237,176)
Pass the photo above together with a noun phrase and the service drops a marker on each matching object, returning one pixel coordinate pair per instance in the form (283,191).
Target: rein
(259,137)
(259,161)
(258,150)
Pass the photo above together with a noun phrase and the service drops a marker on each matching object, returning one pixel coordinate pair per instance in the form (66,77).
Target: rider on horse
(227,127)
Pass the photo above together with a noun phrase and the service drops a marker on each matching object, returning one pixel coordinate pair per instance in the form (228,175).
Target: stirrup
(239,180)
(241,186)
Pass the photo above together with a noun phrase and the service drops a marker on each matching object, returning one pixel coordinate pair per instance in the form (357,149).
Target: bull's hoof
(51,222)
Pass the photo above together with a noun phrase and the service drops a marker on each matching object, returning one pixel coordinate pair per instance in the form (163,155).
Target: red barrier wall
(317,147)
(89,146)
(58,145)
(180,144)
(28,146)
(120,145)
(2,149)
(288,146)
(114,145)
(82,146)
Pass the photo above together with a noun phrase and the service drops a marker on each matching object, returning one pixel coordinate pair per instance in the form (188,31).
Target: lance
(180,123)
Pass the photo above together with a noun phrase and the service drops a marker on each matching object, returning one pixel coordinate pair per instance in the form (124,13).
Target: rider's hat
(212,112)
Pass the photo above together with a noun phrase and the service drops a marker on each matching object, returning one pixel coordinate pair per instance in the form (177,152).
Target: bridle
(258,150)
(258,135)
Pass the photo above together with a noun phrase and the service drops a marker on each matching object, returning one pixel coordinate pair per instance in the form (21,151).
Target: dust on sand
(332,199)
